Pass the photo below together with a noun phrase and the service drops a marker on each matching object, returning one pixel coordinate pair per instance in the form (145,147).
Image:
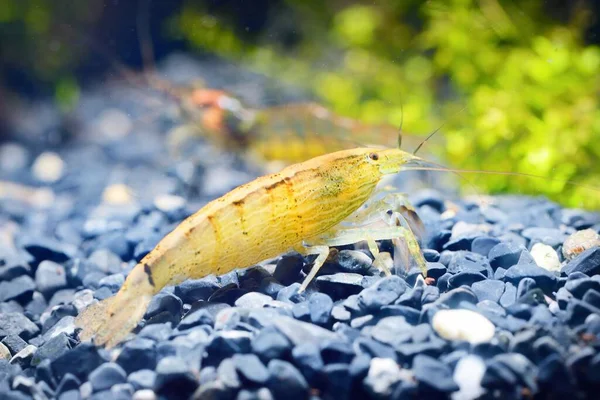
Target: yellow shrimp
(299,208)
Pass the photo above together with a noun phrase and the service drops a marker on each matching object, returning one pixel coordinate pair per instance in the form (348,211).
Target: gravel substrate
(512,309)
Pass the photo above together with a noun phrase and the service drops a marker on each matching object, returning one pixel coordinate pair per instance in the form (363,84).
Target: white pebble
(169,202)
(579,242)
(545,257)
(383,374)
(468,374)
(114,124)
(144,394)
(117,194)
(48,167)
(463,325)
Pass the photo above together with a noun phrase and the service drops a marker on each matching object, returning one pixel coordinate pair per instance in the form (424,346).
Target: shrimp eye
(374,156)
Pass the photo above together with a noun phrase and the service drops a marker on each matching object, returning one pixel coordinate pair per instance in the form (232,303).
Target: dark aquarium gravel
(510,309)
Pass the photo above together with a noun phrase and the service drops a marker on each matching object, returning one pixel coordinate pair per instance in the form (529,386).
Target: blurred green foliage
(515,89)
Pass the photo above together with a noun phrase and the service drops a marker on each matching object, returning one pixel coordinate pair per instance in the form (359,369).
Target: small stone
(52,349)
(138,354)
(228,375)
(48,167)
(164,307)
(144,394)
(142,379)
(509,296)
(46,248)
(382,293)
(434,374)
(14,343)
(50,277)
(23,358)
(337,352)
(174,377)
(483,244)
(269,343)
(468,374)
(587,262)
(504,255)
(169,203)
(545,257)
(17,324)
(80,361)
(286,381)
(353,261)
(549,236)
(253,300)
(106,261)
(340,285)
(320,305)
(288,268)
(463,325)
(392,330)
(19,289)
(543,278)
(579,242)
(488,290)
(106,376)
(193,290)
(299,332)
(118,194)
(383,375)
(467,278)
(260,394)
(250,368)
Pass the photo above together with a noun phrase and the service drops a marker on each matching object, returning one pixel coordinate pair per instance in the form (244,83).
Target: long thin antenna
(401,123)
(433,133)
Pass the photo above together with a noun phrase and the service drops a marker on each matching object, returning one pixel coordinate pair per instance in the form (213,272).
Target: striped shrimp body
(301,207)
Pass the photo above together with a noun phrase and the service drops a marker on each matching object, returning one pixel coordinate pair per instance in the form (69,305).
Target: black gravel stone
(138,354)
(587,262)
(50,277)
(17,324)
(488,290)
(52,349)
(106,376)
(44,248)
(578,287)
(286,381)
(164,307)
(19,289)
(80,361)
(320,305)
(353,261)
(544,279)
(269,344)
(142,379)
(288,269)
(250,369)
(483,244)
(433,374)
(382,293)
(67,383)
(435,270)
(504,255)
(174,379)
(14,343)
(465,278)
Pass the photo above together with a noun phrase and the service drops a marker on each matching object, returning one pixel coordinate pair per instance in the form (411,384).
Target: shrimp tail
(112,319)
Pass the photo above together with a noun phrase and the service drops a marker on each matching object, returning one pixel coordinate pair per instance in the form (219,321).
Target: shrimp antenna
(433,133)
(401,123)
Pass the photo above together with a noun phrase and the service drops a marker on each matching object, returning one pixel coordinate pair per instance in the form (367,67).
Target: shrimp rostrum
(307,207)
